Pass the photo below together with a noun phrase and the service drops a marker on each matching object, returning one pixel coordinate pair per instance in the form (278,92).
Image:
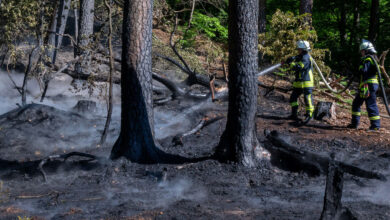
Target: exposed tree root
(313,161)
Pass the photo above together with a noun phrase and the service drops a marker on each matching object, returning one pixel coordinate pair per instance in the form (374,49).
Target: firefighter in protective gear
(368,87)
(304,82)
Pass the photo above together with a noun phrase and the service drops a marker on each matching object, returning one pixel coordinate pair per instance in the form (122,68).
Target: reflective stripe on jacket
(302,66)
(368,71)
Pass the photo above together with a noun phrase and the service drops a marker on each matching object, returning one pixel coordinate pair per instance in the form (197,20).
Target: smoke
(62,95)
(378,193)
(176,190)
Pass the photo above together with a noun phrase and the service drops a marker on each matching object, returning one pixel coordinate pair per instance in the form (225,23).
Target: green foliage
(285,30)
(19,19)
(204,24)
(211,26)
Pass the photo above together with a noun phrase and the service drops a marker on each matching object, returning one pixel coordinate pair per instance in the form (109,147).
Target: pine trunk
(306,7)
(262,16)
(374,21)
(239,140)
(62,19)
(51,40)
(342,25)
(85,33)
(354,40)
(136,141)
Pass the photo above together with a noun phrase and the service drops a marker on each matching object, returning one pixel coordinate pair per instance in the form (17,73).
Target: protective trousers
(372,107)
(308,100)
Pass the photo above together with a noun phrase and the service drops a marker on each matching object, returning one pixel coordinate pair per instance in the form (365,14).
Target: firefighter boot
(294,113)
(307,119)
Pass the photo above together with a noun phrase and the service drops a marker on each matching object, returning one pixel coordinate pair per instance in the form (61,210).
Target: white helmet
(304,45)
(368,46)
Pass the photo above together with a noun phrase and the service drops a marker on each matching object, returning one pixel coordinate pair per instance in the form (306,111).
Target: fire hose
(327,84)
(381,85)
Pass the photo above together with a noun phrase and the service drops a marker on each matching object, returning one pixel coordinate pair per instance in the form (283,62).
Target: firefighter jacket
(302,66)
(368,71)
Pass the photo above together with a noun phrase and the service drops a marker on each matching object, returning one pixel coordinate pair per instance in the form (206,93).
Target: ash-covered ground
(104,189)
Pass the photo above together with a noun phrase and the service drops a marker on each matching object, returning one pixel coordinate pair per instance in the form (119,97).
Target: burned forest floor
(105,189)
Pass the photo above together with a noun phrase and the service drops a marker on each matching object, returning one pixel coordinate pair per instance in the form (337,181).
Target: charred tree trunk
(306,7)
(61,24)
(354,39)
(343,24)
(333,193)
(262,16)
(239,140)
(85,34)
(136,141)
(374,21)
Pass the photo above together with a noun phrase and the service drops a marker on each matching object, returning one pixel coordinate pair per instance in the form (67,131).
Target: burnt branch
(173,46)
(178,139)
(62,157)
(172,86)
(50,77)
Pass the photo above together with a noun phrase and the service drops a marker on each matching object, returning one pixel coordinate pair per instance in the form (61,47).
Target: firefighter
(368,87)
(304,82)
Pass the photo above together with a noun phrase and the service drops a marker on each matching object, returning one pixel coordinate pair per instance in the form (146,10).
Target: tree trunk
(306,7)
(108,4)
(262,16)
(239,141)
(343,24)
(136,141)
(85,33)
(61,24)
(354,39)
(374,21)
(51,40)
(76,30)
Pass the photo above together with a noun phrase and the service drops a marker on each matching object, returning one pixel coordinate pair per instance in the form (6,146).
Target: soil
(105,189)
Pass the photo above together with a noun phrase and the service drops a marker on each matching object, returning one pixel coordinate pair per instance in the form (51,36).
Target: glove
(364,91)
(290,59)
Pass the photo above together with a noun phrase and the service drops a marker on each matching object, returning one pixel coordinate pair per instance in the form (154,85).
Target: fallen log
(96,78)
(315,161)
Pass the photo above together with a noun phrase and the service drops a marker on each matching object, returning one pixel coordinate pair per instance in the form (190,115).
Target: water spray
(269,70)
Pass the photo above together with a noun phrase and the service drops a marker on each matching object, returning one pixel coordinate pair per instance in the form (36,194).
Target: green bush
(286,29)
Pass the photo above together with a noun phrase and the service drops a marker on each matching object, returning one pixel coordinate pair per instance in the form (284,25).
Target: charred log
(317,163)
